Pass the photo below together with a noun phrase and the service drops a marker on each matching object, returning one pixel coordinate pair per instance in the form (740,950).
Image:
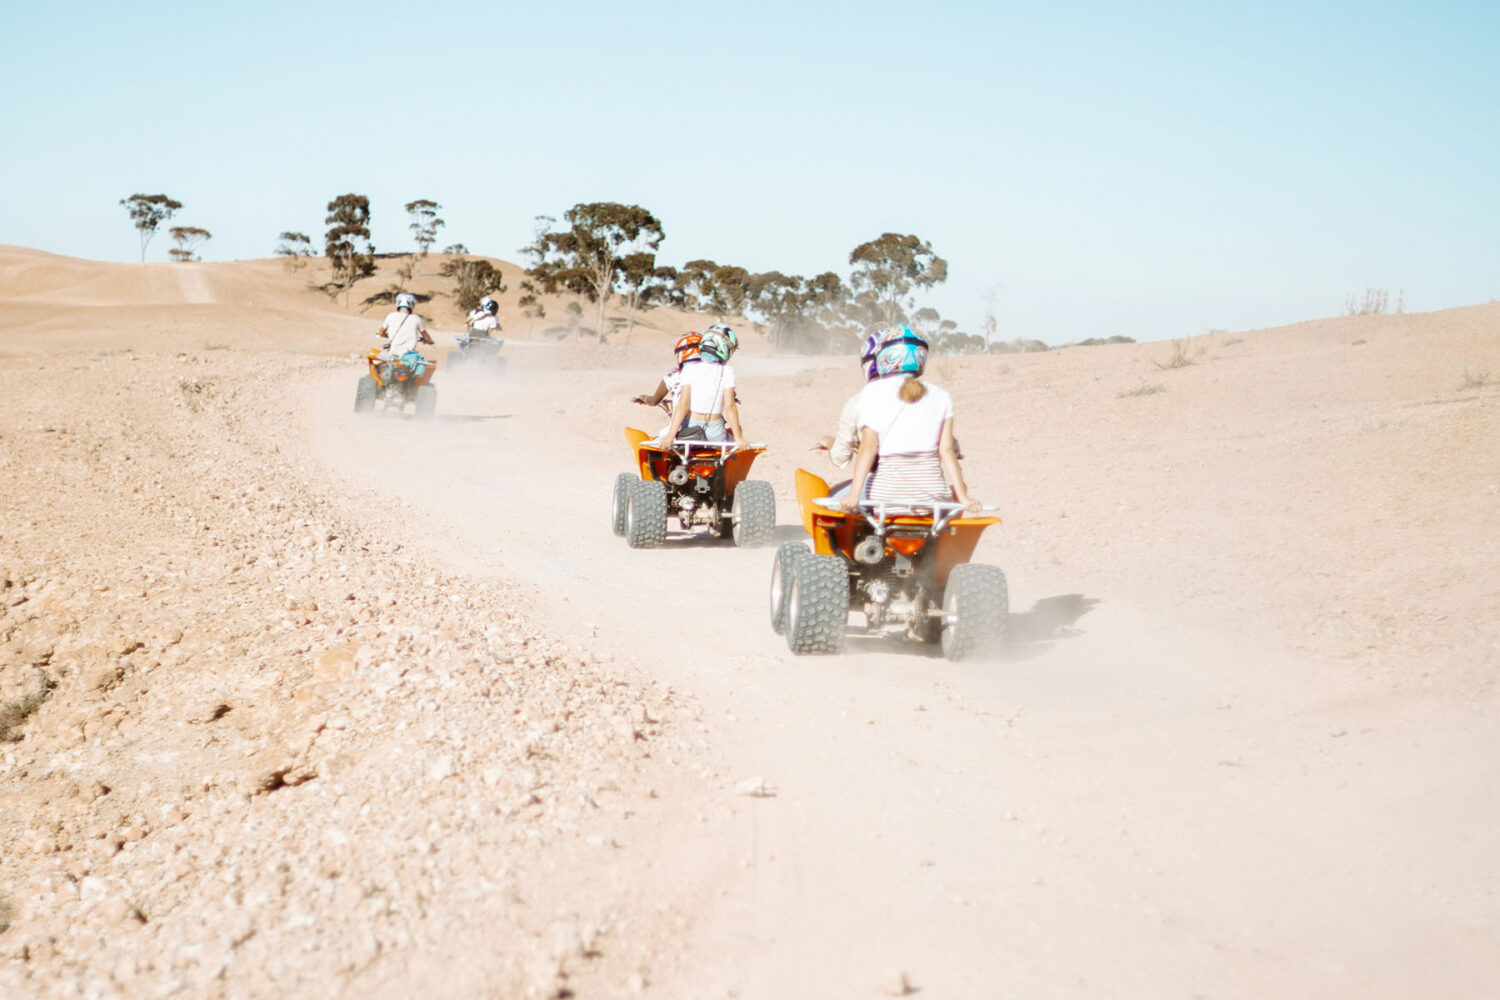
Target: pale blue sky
(1148,169)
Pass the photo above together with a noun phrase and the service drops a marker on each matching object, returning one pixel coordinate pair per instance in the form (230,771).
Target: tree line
(603,252)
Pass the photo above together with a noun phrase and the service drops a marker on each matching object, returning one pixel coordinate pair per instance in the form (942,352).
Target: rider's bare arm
(948,457)
(655,398)
(732,416)
(864,461)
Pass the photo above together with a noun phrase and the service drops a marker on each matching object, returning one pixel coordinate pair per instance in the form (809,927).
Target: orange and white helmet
(686,348)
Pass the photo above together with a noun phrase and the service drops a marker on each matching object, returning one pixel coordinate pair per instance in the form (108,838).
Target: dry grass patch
(14,714)
(1144,389)
(1182,356)
(1476,379)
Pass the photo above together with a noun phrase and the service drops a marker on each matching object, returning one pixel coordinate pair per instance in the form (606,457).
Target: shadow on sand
(1050,619)
(468,418)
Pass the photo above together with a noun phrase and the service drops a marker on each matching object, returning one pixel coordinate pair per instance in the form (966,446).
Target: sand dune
(360,707)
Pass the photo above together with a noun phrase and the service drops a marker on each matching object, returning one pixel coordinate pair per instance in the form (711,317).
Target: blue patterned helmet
(715,346)
(905,355)
(730,337)
(879,350)
(407,301)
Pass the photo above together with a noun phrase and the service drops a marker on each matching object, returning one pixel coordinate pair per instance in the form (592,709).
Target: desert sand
(304,704)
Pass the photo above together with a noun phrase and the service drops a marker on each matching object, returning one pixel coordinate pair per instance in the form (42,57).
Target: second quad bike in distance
(701,483)
(476,351)
(905,565)
(393,383)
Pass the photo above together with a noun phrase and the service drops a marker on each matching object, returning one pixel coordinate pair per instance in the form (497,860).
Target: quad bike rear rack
(881,514)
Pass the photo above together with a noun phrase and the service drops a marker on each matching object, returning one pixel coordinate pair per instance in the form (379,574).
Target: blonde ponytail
(912,390)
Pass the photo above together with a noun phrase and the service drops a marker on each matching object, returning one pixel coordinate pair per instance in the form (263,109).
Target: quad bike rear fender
(374,360)
(836,533)
(654,462)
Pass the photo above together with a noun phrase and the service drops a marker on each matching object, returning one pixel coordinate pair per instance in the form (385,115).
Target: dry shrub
(14,714)
(1144,389)
(1475,379)
(1181,356)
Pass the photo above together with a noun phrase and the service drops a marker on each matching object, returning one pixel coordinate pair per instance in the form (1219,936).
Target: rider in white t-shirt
(404,327)
(908,425)
(485,321)
(706,397)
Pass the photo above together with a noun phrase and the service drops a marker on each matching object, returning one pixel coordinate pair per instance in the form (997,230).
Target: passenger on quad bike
(706,401)
(908,426)
(405,330)
(686,351)
(485,321)
(844,442)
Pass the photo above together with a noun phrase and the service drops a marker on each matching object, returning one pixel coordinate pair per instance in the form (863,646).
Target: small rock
(756,788)
(895,983)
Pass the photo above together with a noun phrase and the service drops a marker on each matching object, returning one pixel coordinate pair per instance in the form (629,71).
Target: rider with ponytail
(908,426)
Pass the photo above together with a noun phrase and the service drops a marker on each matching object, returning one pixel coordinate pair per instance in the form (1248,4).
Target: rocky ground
(256,746)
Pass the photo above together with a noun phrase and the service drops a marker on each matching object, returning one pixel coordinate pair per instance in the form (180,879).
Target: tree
(424,223)
(888,269)
(147,213)
(585,258)
(188,240)
(531,306)
(347,243)
(472,281)
(730,291)
(295,247)
(695,281)
(643,285)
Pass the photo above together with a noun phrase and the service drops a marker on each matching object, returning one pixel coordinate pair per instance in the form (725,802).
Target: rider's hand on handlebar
(823,443)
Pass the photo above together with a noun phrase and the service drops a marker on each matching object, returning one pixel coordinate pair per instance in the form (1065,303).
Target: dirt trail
(1120,805)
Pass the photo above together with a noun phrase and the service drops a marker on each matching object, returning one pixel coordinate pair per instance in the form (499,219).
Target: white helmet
(407,301)
(489,305)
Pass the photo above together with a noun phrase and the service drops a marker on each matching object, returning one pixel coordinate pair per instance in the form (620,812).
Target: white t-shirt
(404,329)
(482,324)
(707,382)
(904,428)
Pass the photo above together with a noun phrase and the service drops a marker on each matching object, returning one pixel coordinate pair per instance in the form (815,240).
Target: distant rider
(485,321)
(405,329)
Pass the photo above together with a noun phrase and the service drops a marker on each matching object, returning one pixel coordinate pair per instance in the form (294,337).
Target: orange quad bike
(395,383)
(701,482)
(905,565)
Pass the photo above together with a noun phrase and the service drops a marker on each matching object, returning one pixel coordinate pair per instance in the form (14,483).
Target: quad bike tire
(976,609)
(817,605)
(646,515)
(364,394)
(621,505)
(454,359)
(753,513)
(781,574)
(426,402)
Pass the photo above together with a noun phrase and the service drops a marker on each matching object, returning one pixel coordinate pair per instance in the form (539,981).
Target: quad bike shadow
(396,383)
(701,483)
(905,565)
